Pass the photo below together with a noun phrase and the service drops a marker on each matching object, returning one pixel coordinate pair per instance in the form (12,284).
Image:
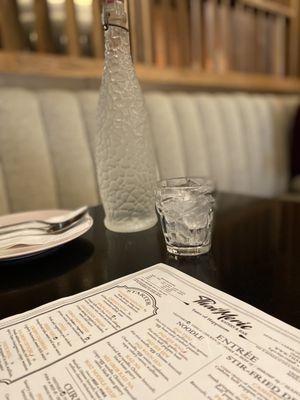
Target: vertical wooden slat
(183,28)
(298,35)
(223,36)
(132,12)
(196,33)
(139,32)
(239,37)
(257,29)
(43,28)
(72,29)
(13,37)
(159,35)
(246,45)
(97,29)
(266,49)
(209,15)
(231,38)
(235,40)
(219,39)
(298,44)
(251,39)
(173,49)
(261,42)
(270,43)
(147,30)
(279,50)
(165,17)
(294,40)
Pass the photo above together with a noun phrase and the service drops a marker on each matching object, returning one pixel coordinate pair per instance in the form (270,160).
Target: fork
(45,225)
(12,240)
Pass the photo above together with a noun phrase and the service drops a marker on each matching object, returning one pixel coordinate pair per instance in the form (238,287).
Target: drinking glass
(186,209)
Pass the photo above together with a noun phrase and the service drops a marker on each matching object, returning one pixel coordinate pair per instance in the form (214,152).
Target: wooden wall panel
(97,29)
(196,34)
(294,41)
(72,29)
(213,36)
(43,28)
(12,34)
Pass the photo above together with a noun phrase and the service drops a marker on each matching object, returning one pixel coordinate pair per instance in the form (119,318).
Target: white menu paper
(155,334)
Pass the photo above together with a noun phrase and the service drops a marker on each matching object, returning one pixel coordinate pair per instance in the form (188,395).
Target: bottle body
(124,155)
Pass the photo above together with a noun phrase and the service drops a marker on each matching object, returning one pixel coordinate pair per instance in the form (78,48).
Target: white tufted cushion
(69,148)
(252,132)
(25,156)
(232,131)
(217,146)
(88,102)
(167,139)
(267,136)
(46,143)
(193,135)
(281,143)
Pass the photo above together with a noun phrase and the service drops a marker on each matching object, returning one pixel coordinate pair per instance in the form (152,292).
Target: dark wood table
(255,257)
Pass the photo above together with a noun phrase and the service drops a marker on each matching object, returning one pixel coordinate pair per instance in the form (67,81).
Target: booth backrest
(46,143)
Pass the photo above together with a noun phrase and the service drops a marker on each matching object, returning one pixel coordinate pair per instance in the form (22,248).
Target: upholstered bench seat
(46,143)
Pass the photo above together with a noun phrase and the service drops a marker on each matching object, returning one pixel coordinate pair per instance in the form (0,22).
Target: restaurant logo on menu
(223,313)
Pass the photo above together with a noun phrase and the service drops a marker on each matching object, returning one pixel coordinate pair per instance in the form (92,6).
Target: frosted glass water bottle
(124,155)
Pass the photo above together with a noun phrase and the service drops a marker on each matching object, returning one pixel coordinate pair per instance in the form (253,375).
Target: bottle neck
(115,14)
(115,23)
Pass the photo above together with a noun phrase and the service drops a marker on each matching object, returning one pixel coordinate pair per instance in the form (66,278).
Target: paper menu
(155,334)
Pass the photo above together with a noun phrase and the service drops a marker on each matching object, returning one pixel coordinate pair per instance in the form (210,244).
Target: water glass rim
(199,183)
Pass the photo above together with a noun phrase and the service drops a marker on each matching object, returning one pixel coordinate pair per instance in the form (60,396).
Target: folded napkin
(31,237)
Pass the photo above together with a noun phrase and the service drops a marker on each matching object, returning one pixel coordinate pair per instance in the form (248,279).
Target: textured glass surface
(186,207)
(124,156)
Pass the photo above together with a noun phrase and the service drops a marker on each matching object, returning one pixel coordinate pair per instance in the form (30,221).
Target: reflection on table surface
(254,257)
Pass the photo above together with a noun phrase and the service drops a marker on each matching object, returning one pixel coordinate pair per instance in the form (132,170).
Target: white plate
(25,251)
